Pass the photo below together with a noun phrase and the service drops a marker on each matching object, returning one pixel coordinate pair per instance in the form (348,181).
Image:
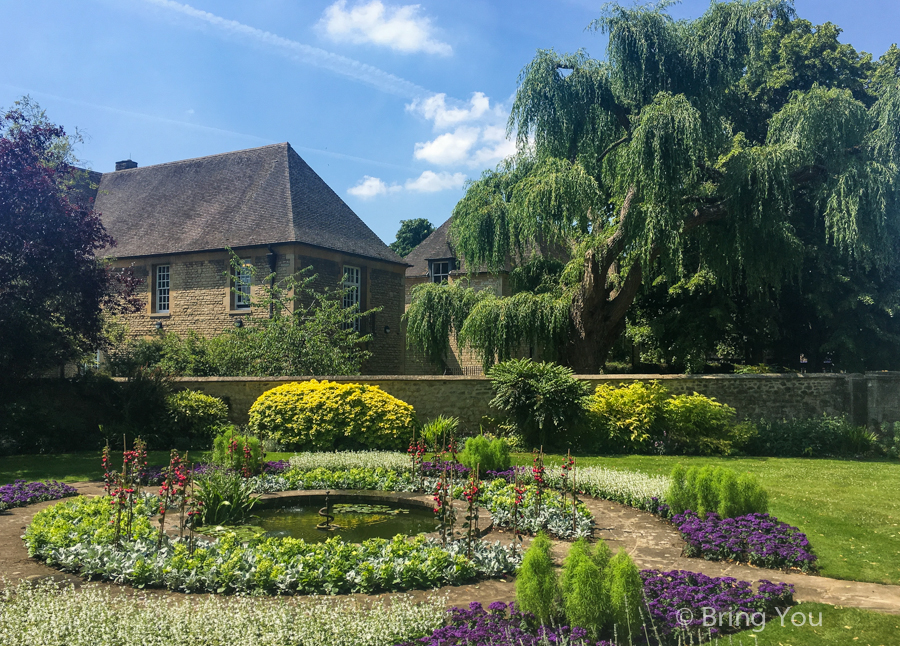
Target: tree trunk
(598,315)
(598,311)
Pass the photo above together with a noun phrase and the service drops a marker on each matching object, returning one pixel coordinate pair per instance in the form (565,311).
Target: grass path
(850,510)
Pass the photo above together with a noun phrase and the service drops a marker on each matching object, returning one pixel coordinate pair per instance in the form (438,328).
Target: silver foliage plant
(63,616)
(346,460)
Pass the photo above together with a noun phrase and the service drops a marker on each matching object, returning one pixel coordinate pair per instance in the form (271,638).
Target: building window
(351,292)
(243,278)
(161,289)
(440,271)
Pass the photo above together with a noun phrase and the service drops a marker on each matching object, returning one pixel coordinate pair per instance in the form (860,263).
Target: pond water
(355,522)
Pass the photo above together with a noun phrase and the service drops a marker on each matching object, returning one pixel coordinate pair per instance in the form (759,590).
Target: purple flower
(21,493)
(758,539)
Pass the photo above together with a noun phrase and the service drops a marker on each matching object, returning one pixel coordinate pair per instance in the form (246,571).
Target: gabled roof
(434,247)
(246,198)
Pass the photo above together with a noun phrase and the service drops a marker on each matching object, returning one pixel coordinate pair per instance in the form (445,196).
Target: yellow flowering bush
(326,415)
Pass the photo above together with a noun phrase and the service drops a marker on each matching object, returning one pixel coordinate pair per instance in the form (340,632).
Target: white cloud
(400,28)
(481,142)
(300,52)
(428,182)
(490,155)
(435,108)
(371,187)
(448,148)
(467,145)
(431,182)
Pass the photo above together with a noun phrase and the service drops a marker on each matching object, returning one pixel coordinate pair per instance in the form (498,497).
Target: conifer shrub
(492,455)
(328,416)
(582,589)
(624,590)
(537,588)
(715,489)
(601,554)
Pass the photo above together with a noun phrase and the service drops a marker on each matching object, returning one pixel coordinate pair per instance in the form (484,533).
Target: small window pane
(242,280)
(162,288)
(351,295)
(440,271)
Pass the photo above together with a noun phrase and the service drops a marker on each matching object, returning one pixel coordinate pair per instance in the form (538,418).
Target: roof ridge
(196,159)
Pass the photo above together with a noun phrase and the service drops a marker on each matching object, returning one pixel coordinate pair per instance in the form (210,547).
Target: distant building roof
(437,246)
(259,196)
(434,247)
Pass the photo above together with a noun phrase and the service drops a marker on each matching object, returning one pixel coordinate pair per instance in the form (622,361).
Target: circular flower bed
(80,536)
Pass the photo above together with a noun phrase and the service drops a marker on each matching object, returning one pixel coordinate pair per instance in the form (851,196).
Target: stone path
(651,542)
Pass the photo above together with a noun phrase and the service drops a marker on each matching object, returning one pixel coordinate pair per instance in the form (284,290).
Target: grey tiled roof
(250,197)
(437,246)
(434,247)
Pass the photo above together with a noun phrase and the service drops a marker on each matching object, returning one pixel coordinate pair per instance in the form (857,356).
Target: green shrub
(543,399)
(715,489)
(888,440)
(536,586)
(226,498)
(195,415)
(328,416)
(624,590)
(492,455)
(825,436)
(645,418)
(698,425)
(230,450)
(582,588)
(627,418)
(440,430)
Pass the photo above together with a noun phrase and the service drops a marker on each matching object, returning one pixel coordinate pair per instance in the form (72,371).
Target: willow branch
(613,146)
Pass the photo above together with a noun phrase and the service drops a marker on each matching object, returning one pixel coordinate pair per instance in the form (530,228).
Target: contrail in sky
(293,50)
(194,126)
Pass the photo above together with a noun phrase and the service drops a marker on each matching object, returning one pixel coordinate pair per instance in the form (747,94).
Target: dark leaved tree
(53,289)
(410,235)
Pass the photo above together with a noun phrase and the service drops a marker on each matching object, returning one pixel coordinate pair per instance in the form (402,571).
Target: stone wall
(201,299)
(871,398)
(460,361)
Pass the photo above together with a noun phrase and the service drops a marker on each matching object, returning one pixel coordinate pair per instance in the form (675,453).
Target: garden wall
(869,398)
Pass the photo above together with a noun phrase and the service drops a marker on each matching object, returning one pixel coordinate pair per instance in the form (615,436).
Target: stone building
(174,223)
(435,261)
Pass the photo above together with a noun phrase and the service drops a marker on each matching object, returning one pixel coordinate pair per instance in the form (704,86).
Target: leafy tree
(672,156)
(833,306)
(410,235)
(54,290)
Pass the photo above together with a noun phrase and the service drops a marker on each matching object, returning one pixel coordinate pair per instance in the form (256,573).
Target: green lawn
(65,467)
(840,626)
(850,510)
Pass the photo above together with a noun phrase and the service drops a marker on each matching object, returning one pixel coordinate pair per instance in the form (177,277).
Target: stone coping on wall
(870,398)
(591,377)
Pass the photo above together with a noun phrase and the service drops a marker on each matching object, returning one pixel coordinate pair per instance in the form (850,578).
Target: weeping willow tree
(645,162)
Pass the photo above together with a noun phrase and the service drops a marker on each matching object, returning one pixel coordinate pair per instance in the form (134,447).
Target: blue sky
(394,105)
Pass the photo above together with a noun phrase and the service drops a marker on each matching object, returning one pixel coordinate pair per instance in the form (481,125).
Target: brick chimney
(126,164)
